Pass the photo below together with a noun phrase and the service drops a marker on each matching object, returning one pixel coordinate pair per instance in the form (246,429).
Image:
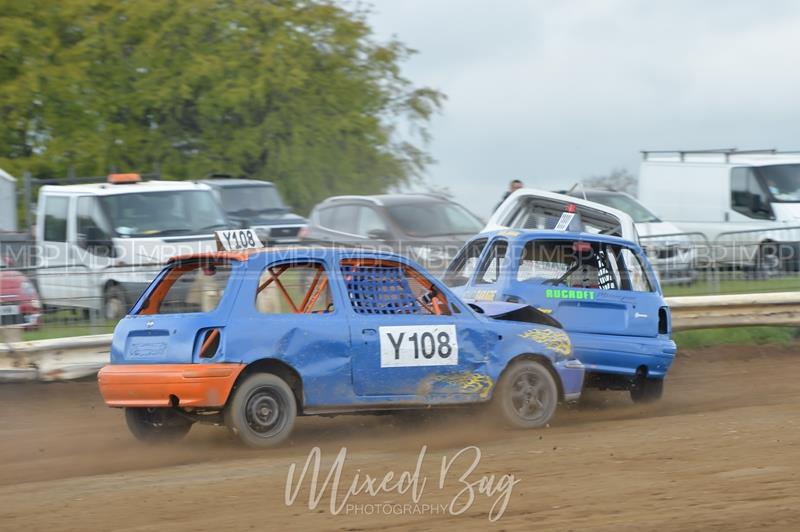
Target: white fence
(83,356)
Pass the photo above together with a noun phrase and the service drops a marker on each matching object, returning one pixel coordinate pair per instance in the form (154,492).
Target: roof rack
(727,152)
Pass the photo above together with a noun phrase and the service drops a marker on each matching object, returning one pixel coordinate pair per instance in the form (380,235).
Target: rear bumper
(155,385)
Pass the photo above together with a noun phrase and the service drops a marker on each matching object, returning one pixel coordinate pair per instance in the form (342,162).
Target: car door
(590,287)
(54,258)
(92,248)
(408,338)
(287,310)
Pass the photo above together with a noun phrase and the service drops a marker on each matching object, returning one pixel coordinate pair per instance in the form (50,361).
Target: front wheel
(156,425)
(647,390)
(262,411)
(526,396)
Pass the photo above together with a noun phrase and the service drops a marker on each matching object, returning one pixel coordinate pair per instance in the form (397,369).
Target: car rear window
(194,286)
(544,213)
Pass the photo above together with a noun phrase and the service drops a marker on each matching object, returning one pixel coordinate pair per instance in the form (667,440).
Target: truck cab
(101,244)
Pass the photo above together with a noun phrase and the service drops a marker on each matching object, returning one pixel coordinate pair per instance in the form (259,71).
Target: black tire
(647,390)
(114,304)
(768,261)
(156,425)
(526,396)
(262,411)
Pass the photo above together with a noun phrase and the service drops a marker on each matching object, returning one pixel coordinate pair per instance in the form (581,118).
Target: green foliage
(294,91)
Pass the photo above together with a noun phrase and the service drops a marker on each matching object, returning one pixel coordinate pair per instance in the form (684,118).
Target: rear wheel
(647,390)
(526,396)
(262,411)
(156,425)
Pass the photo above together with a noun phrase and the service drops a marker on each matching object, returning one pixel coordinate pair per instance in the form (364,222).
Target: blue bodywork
(617,333)
(336,353)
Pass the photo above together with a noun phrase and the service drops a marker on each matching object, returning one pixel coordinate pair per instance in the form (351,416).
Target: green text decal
(559,293)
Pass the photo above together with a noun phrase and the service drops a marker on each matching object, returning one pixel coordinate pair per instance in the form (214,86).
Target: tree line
(298,92)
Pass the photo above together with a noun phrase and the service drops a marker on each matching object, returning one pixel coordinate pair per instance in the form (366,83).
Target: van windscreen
(163,213)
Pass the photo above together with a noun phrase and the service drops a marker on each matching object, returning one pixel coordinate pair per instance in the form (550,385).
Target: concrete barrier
(83,356)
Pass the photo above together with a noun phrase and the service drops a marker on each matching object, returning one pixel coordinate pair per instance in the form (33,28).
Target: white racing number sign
(418,345)
(237,239)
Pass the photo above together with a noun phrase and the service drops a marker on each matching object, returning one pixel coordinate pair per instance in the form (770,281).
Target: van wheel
(768,261)
(262,411)
(114,305)
(647,390)
(156,425)
(526,396)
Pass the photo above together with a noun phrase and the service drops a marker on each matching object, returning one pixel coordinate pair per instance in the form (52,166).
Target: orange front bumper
(153,385)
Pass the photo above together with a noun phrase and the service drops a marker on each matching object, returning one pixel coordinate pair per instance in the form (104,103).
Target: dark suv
(258,205)
(428,228)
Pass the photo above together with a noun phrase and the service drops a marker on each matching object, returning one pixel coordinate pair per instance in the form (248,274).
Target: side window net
(386,287)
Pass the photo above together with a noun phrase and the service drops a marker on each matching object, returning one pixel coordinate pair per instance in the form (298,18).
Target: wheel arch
(275,367)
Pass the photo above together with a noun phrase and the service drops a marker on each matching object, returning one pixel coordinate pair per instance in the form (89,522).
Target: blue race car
(252,339)
(601,288)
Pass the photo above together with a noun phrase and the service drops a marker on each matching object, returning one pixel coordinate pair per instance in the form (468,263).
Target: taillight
(663,320)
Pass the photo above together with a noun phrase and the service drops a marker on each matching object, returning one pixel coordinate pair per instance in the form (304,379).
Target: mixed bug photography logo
(450,486)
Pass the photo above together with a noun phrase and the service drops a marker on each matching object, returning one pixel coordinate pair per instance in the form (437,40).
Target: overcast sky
(551,92)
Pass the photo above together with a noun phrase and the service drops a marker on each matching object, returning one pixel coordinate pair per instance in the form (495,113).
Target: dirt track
(722,450)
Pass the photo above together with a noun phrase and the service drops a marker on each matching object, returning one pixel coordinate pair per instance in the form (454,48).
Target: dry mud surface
(720,451)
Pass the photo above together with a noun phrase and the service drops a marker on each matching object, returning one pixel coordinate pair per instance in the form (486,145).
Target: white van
(100,245)
(745,203)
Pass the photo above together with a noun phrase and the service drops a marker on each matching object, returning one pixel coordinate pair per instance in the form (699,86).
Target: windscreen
(167,213)
(251,199)
(783,181)
(434,219)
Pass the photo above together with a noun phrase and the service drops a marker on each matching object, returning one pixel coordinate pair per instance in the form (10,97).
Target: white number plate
(421,345)
(9,310)
(237,239)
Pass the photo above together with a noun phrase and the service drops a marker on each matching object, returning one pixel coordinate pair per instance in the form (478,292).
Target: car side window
(572,263)
(463,266)
(195,286)
(634,271)
(94,231)
(55,218)
(370,221)
(386,287)
(294,288)
(748,197)
(341,218)
(493,263)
